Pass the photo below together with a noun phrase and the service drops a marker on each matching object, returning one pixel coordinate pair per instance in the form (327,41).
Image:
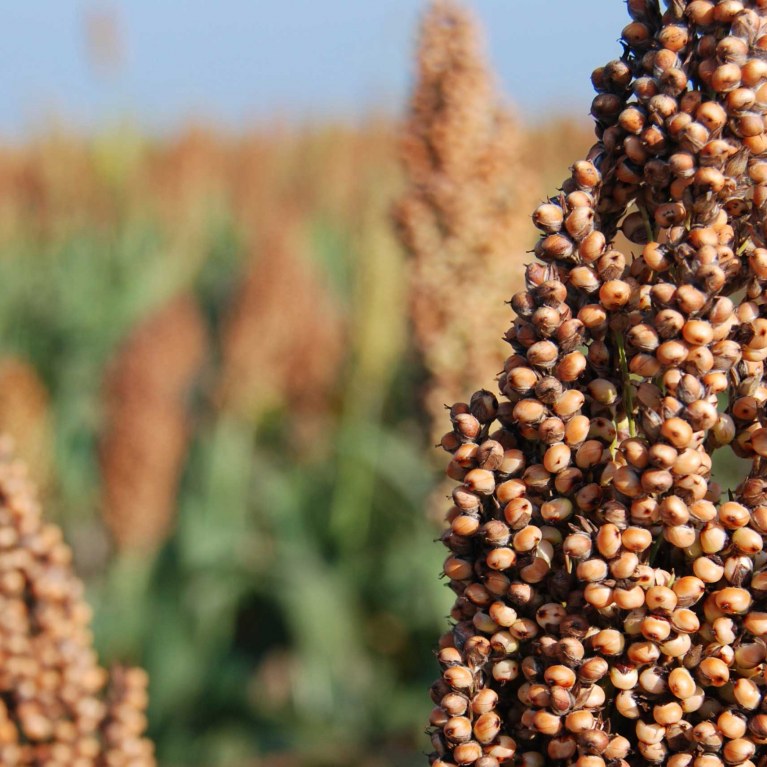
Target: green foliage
(296,605)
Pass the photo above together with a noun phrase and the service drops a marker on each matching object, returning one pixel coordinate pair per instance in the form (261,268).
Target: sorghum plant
(54,711)
(25,416)
(462,218)
(269,357)
(147,429)
(611,604)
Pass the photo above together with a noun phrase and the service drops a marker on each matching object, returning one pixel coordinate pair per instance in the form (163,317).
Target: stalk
(628,389)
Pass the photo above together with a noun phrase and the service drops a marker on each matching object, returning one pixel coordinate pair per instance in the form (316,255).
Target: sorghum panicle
(611,608)
(53,712)
(25,416)
(125,722)
(273,358)
(461,218)
(146,435)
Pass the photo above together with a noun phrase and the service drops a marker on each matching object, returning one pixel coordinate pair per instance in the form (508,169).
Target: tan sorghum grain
(611,609)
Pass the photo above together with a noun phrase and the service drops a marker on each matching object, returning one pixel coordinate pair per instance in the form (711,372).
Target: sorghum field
(209,367)
(225,362)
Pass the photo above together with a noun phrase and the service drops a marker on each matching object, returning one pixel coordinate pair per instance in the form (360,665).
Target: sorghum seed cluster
(53,712)
(611,608)
(147,423)
(122,730)
(25,415)
(256,375)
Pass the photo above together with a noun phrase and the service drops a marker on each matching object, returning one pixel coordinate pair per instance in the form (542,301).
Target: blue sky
(237,61)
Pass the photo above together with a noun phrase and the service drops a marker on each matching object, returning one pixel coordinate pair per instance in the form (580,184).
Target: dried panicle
(272,357)
(53,711)
(460,218)
(610,605)
(104,44)
(146,432)
(123,727)
(24,416)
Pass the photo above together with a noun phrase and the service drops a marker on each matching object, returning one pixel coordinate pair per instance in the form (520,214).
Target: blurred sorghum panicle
(147,422)
(462,217)
(273,355)
(611,609)
(125,722)
(183,179)
(53,710)
(24,416)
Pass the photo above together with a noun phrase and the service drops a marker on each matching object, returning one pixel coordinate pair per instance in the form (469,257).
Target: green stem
(628,391)
(654,550)
(647,223)
(652,233)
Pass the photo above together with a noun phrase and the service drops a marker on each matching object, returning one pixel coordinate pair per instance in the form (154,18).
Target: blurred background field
(208,360)
(207,363)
